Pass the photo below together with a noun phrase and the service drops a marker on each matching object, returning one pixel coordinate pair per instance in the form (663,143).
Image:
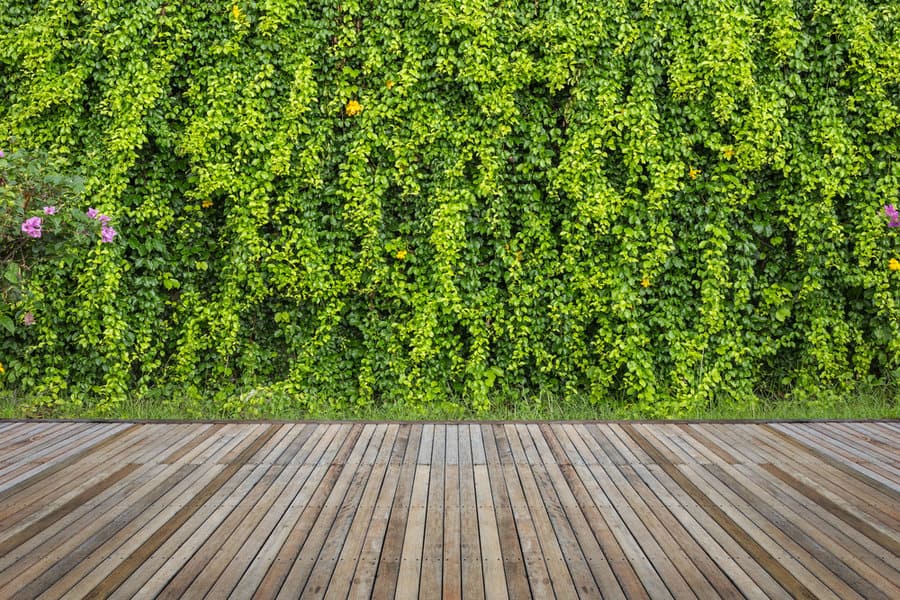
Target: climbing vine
(351,202)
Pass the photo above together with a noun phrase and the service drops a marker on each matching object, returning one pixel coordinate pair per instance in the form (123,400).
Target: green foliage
(354,204)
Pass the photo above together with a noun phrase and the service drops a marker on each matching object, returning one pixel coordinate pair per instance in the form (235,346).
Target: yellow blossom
(389,83)
(894,264)
(2,370)
(236,12)
(692,173)
(645,282)
(353,108)
(401,254)
(729,152)
(206,204)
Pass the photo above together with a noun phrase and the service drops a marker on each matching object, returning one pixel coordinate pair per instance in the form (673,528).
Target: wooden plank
(700,493)
(561,433)
(151,575)
(350,557)
(578,479)
(754,581)
(681,547)
(478,457)
(852,496)
(874,448)
(30,530)
(797,529)
(385,583)
(172,565)
(370,555)
(144,550)
(47,495)
(846,452)
(292,453)
(539,580)
(32,442)
(33,451)
(425,445)
(470,542)
(701,545)
(75,522)
(322,547)
(556,465)
(856,552)
(320,574)
(795,439)
(431,585)
(598,441)
(510,549)
(411,555)
(58,556)
(491,558)
(732,509)
(451,574)
(879,505)
(199,573)
(42,472)
(706,445)
(859,446)
(89,564)
(304,486)
(773,530)
(331,486)
(452,453)
(857,525)
(529,507)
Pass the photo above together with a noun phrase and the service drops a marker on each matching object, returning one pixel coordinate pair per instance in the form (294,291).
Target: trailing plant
(351,204)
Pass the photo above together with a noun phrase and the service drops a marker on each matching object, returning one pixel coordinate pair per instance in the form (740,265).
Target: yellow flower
(353,108)
(206,204)
(729,152)
(2,370)
(389,83)
(894,264)
(236,12)
(401,254)
(645,282)
(693,173)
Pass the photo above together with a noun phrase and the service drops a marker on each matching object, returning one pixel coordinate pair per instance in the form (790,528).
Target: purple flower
(1,154)
(891,211)
(32,227)
(28,319)
(104,219)
(49,210)
(92,213)
(107,234)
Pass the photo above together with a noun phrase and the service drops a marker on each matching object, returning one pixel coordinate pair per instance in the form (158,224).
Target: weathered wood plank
(384,510)
(391,552)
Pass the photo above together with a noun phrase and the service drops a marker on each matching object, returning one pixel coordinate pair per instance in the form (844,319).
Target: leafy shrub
(355,203)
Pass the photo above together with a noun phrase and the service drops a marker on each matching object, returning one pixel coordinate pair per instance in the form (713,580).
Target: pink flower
(891,213)
(103,219)
(107,234)
(28,319)
(49,210)
(92,213)
(1,154)
(32,227)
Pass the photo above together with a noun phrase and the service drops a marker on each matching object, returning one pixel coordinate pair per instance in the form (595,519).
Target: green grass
(867,402)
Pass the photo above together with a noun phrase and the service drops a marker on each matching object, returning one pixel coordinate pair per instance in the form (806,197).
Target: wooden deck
(495,510)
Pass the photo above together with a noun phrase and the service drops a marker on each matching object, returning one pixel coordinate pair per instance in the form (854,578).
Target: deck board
(452,510)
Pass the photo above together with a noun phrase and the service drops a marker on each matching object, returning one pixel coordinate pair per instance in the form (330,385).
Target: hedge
(347,202)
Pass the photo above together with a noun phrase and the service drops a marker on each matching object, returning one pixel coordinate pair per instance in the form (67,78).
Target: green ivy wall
(348,202)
